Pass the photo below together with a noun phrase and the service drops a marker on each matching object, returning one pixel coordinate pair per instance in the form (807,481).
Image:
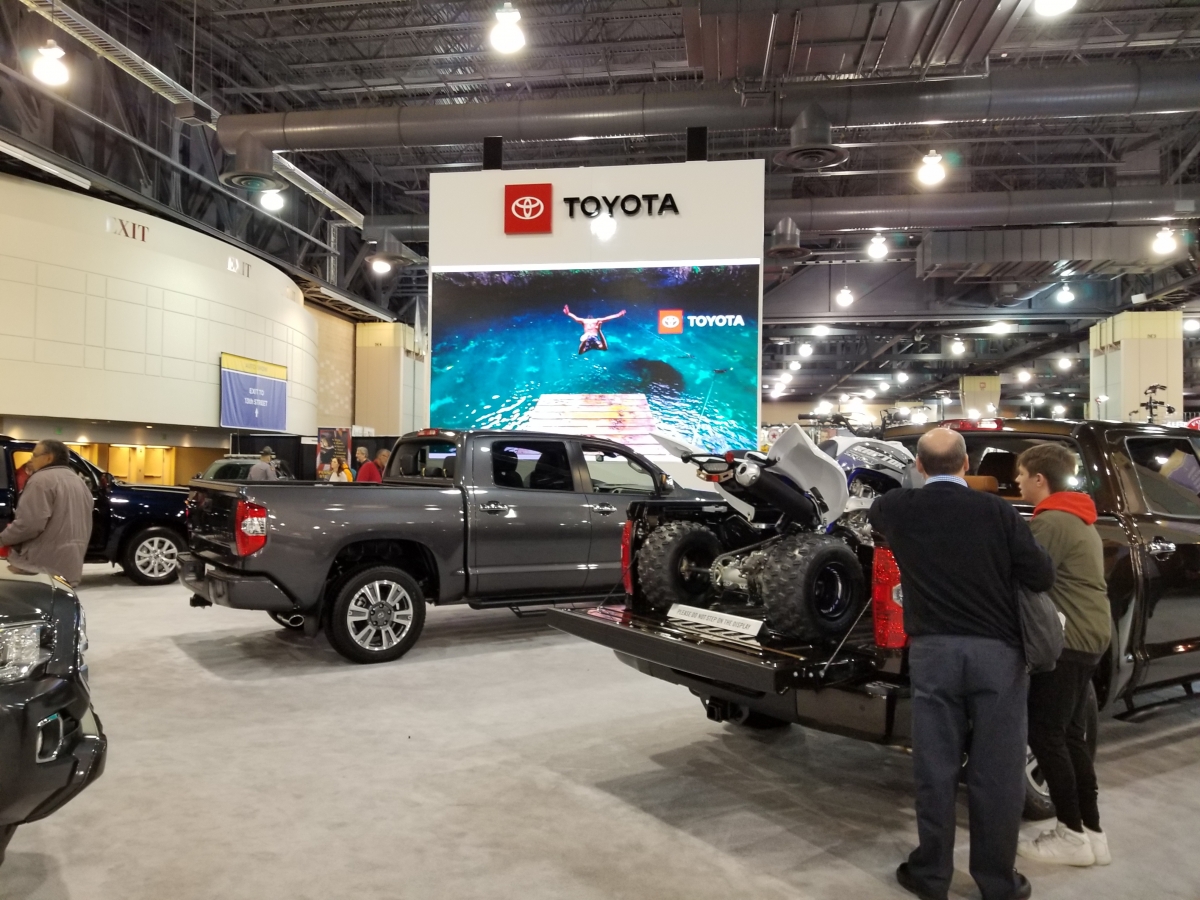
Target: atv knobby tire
(672,565)
(812,587)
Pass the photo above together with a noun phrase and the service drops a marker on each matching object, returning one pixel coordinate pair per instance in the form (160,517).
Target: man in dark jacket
(1064,523)
(961,553)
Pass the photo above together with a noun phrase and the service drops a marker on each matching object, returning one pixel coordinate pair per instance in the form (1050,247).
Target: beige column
(391,384)
(1130,352)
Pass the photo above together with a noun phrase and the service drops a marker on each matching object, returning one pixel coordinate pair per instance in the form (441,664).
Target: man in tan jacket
(54,518)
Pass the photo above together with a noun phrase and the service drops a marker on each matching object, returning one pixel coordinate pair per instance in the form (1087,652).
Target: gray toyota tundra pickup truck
(489,518)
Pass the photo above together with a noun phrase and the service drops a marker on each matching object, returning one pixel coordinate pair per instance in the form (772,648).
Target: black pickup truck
(139,527)
(1145,481)
(490,518)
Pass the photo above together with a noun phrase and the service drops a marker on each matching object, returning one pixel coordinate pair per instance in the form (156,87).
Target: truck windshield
(436,458)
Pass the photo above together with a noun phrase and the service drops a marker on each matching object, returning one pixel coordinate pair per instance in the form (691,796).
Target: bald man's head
(942,452)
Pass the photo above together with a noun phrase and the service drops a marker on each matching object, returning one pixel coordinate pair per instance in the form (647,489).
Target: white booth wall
(108,313)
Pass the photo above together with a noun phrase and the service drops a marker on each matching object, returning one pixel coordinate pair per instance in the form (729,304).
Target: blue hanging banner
(253,394)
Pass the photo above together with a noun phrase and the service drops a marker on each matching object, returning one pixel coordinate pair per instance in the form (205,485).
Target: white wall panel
(96,325)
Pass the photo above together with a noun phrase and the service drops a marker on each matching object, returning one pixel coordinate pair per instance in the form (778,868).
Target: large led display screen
(618,352)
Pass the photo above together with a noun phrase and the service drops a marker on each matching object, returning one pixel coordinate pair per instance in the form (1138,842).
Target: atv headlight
(21,651)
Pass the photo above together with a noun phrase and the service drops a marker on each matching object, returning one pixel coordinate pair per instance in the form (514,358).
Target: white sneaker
(1060,845)
(1099,842)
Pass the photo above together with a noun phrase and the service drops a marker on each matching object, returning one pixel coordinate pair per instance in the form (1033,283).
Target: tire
(1038,804)
(293,622)
(377,615)
(151,556)
(667,562)
(812,587)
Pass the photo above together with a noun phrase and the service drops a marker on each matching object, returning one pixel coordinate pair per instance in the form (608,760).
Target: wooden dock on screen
(625,418)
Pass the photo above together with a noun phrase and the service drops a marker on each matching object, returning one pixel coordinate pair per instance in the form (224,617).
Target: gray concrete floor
(501,759)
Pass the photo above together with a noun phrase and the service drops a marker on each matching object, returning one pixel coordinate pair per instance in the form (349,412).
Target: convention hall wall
(111,314)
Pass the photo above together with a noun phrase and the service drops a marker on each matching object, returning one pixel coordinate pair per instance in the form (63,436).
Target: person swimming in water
(592,337)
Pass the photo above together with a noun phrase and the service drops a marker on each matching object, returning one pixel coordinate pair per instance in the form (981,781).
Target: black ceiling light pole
(493,153)
(697,144)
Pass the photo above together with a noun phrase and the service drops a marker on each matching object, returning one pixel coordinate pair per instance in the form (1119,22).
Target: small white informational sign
(738,624)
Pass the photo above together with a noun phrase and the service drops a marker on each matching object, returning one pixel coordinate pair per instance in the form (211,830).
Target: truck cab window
(1169,473)
(992,462)
(616,473)
(536,465)
(424,459)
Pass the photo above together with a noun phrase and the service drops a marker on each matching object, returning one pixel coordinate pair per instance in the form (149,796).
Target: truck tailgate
(712,654)
(212,510)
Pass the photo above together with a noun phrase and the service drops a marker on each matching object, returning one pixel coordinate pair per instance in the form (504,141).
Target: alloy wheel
(379,615)
(156,557)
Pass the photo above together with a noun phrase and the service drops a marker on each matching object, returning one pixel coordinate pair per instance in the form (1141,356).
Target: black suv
(140,527)
(51,742)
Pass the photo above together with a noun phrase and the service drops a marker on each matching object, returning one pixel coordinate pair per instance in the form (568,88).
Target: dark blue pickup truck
(140,527)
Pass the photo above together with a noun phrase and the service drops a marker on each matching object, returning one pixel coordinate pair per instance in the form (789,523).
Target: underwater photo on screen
(613,352)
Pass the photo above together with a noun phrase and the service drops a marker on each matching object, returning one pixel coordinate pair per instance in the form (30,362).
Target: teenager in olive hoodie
(1064,524)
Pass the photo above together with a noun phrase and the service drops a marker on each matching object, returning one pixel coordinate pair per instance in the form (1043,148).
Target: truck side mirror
(105,481)
(666,483)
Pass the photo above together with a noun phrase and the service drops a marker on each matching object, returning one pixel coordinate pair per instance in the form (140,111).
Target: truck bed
(852,691)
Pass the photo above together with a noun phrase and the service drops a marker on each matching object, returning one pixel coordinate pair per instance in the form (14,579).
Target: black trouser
(968,689)
(1058,708)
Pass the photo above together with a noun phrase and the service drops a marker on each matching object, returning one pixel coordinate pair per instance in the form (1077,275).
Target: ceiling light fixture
(1164,242)
(932,171)
(820,331)
(49,68)
(1066,295)
(1102,398)
(785,378)
(869,394)
(958,348)
(806,349)
(1051,8)
(1191,324)
(794,366)
(884,387)
(878,248)
(271,200)
(999,328)
(1037,401)
(380,266)
(919,418)
(904,412)
(1064,363)
(1059,410)
(844,297)
(1023,377)
(902,377)
(972,413)
(507,36)
(843,398)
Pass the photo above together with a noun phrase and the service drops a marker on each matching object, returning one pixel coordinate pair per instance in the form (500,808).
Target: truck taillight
(627,557)
(887,602)
(250,527)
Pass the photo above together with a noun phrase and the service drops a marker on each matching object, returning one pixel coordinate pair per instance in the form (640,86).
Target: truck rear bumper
(236,590)
(845,698)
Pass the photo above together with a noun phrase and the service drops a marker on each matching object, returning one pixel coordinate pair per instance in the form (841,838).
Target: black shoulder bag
(1041,630)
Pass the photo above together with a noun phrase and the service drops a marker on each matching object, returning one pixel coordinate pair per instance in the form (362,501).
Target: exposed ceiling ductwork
(1095,90)
(992,209)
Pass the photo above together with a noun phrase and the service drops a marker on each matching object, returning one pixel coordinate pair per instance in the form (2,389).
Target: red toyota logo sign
(527,208)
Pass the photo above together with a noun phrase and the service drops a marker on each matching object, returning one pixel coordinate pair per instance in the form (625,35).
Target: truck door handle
(1160,548)
(605,509)
(494,507)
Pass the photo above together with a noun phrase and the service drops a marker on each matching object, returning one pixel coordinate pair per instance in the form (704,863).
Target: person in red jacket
(372,471)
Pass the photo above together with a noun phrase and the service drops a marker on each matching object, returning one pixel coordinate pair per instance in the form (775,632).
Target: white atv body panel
(797,458)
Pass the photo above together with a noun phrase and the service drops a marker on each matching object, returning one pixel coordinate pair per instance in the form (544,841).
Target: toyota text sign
(527,208)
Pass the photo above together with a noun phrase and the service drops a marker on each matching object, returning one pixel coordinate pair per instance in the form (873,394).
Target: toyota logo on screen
(670,321)
(527,208)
